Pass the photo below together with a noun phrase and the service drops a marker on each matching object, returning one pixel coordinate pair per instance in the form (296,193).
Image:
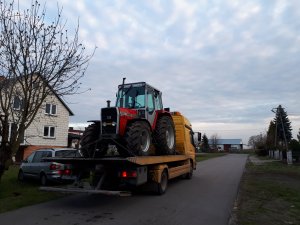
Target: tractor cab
(139,96)
(142,98)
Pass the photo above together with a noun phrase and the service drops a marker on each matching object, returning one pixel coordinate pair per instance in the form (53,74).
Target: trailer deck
(138,160)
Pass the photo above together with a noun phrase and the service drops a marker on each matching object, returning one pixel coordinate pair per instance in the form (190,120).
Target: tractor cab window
(131,97)
(151,106)
(157,100)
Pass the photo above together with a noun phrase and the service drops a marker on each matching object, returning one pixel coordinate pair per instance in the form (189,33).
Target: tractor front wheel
(138,138)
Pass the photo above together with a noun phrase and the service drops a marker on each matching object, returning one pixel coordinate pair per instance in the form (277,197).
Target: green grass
(269,195)
(14,194)
(209,156)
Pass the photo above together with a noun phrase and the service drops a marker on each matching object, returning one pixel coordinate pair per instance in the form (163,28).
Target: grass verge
(206,156)
(14,194)
(269,194)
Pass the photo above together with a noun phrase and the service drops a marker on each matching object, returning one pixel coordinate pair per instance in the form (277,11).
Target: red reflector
(124,174)
(133,174)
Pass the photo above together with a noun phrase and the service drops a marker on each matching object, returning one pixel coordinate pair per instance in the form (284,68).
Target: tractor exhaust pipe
(122,92)
(108,103)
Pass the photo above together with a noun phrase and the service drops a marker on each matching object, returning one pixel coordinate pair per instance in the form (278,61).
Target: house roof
(227,141)
(54,92)
(64,104)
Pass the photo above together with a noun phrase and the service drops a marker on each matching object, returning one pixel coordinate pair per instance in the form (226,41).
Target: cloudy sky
(224,64)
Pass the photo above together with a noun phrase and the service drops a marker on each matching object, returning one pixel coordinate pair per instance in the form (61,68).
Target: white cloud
(280,7)
(248,10)
(182,9)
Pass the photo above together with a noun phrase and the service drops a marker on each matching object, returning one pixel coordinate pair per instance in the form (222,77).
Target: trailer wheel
(189,175)
(90,148)
(163,184)
(138,138)
(164,136)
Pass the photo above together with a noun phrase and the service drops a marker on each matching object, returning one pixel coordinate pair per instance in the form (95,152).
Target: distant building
(226,144)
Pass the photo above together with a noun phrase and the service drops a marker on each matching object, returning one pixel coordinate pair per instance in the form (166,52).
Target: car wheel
(43,180)
(21,176)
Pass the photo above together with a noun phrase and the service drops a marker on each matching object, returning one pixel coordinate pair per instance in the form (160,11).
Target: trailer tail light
(128,174)
(67,172)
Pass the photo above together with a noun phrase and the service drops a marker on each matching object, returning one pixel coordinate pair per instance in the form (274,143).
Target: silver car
(35,167)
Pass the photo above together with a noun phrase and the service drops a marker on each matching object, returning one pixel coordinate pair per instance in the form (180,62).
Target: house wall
(220,147)
(34,134)
(237,147)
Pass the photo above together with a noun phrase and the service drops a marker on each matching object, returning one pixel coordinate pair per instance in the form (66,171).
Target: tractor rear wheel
(90,147)
(164,136)
(138,138)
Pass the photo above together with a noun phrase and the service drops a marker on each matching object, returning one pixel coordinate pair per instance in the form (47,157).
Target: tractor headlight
(104,124)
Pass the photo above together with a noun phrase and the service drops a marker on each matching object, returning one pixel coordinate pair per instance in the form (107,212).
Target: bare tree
(37,59)
(258,141)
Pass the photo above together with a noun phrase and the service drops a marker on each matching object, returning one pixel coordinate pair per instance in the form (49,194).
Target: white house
(49,128)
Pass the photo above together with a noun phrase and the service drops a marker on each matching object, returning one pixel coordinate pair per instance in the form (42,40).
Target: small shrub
(262,152)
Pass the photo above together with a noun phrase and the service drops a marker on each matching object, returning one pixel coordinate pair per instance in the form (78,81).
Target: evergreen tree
(294,145)
(270,142)
(205,145)
(283,125)
(298,135)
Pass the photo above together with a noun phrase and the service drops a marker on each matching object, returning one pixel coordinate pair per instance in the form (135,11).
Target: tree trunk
(5,148)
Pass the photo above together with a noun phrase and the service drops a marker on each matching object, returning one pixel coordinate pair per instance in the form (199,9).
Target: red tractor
(137,125)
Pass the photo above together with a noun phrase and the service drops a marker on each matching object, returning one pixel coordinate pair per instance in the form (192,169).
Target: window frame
(29,158)
(18,100)
(38,157)
(51,106)
(10,130)
(49,132)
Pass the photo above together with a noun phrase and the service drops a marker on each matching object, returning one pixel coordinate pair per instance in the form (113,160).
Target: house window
(18,103)
(49,132)
(35,84)
(50,109)
(12,129)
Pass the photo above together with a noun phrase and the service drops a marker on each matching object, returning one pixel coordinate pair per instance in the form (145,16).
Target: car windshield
(131,96)
(67,153)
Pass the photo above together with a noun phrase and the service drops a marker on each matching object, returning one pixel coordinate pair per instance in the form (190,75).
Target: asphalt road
(206,199)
